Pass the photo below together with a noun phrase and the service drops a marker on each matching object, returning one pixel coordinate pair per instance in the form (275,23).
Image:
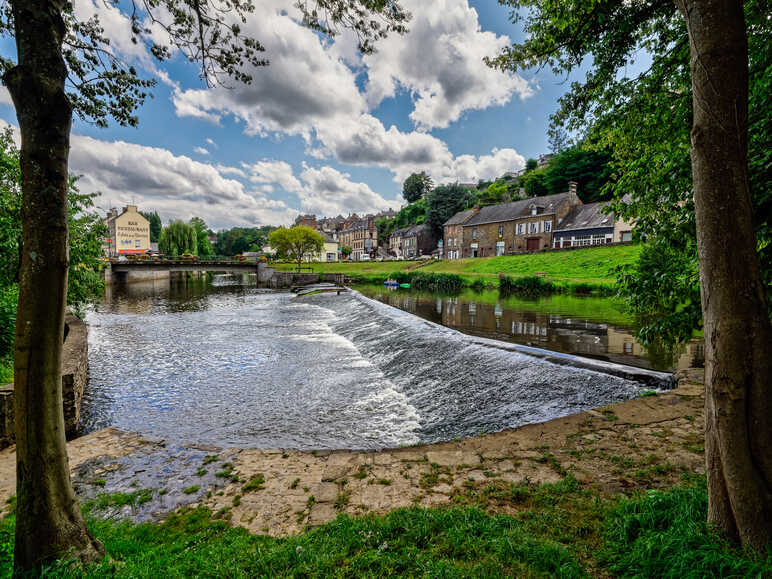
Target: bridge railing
(140,258)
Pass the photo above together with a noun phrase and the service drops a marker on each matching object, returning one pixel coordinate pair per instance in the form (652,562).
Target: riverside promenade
(647,442)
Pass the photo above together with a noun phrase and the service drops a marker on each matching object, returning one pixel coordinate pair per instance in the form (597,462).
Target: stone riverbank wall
(74,376)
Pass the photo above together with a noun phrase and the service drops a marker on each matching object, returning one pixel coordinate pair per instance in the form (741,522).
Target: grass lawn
(558,530)
(592,265)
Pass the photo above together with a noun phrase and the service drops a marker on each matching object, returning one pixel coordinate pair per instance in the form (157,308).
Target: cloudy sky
(323,129)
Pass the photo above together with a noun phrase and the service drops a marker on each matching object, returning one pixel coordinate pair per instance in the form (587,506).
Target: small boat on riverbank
(391,283)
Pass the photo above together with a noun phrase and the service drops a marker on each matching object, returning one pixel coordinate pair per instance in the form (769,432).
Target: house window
(533,227)
(547,226)
(501,231)
(474,233)
(533,209)
(627,236)
(521,228)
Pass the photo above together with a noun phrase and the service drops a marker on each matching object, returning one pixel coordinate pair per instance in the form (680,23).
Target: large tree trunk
(738,335)
(48,521)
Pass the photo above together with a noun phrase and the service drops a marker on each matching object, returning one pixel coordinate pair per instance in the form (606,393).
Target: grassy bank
(590,268)
(558,530)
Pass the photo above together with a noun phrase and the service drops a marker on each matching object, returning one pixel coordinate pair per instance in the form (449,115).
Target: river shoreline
(647,442)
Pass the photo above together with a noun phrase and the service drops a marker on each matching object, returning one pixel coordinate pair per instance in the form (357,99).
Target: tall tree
(65,65)
(178,238)
(416,186)
(738,331)
(155,224)
(203,245)
(443,202)
(297,243)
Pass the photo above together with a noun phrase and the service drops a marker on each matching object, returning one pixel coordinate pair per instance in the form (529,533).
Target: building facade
(361,235)
(518,226)
(591,224)
(129,232)
(453,234)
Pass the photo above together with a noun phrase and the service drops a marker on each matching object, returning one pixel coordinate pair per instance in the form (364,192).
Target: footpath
(647,442)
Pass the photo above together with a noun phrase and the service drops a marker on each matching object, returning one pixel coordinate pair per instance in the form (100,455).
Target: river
(233,365)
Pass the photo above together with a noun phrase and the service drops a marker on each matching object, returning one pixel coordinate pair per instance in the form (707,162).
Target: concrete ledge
(74,376)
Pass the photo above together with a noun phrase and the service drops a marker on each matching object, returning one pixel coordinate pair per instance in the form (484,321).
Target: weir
(263,369)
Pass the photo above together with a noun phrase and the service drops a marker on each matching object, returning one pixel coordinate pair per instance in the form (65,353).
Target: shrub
(529,285)
(8,299)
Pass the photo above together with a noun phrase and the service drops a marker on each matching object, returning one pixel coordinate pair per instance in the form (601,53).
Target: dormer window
(533,209)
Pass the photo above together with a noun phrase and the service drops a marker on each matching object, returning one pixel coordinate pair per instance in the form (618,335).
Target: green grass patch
(256,483)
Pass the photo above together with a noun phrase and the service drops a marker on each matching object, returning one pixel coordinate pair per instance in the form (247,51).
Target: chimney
(572,193)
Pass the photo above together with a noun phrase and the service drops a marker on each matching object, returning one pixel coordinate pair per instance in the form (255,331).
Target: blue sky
(322,130)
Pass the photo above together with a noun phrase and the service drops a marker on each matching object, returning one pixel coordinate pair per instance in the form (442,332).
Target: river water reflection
(228,364)
(587,326)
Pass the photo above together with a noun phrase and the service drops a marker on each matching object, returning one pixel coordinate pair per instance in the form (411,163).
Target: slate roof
(515,209)
(587,216)
(459,218)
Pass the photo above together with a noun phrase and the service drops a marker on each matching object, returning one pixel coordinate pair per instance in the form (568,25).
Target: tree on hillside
(69,67)
(443,202)
(178,238)
(416,186)
(735,314)
(531,164)
(203,245)
(590,168)
(557,137)
(297,243)
(155,224)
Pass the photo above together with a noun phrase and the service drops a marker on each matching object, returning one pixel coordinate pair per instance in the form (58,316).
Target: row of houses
(358,233)
(551,221)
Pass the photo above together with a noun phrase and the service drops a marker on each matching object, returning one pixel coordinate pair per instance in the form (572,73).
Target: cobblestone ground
(643,443)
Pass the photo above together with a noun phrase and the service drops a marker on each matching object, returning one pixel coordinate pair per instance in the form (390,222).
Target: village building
(361,235)
(412,241)
(396,242)
(453,234)
(518,226)
(590,224)
(128,232)
(330,250)
(306,221)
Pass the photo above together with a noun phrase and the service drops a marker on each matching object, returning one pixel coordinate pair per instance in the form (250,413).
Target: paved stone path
(643,443)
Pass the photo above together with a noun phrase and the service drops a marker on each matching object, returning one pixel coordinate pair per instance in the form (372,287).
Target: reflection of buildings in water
(545,330)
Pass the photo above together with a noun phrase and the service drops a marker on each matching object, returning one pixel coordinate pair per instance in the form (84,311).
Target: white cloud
(177,186)
(327,191)
(279,172)
(200,150)
(211,142)
(5,96)
(440,61)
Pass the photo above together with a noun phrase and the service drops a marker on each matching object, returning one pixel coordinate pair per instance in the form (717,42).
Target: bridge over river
(141,270)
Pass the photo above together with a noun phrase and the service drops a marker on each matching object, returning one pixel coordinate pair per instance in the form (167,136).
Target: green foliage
(297,243)
(346,250)
(10,210)
(9,296)
(531,164)
(435,282)
(416,186)
(155,224)
(86,231)
(663,290)
(590,168)
(497,192)
(203,245)
(534,183)
(237,240)
(443,202)
(411,214)
(178,238)
(664,534)
(529,285)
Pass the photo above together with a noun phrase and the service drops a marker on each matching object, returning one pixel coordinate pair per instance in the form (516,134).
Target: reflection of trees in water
(179,293)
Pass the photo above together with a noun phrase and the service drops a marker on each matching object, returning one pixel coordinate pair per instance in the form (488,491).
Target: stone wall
(74,376)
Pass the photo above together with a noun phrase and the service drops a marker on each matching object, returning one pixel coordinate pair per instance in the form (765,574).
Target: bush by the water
(8,298)
(529,285)
(435,282)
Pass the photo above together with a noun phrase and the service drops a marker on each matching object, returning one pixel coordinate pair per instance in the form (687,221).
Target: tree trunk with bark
(49,524)
(738,334)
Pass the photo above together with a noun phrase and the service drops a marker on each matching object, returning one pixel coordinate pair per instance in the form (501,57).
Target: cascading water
(268,370)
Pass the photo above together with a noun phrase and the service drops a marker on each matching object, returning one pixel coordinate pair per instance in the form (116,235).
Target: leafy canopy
(178,238)
(297,243)
(416,186)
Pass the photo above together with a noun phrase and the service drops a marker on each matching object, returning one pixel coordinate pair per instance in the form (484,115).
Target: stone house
(590,225)
(396,242)
(361,234)
(419,240)
(453,233)
(518,226)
